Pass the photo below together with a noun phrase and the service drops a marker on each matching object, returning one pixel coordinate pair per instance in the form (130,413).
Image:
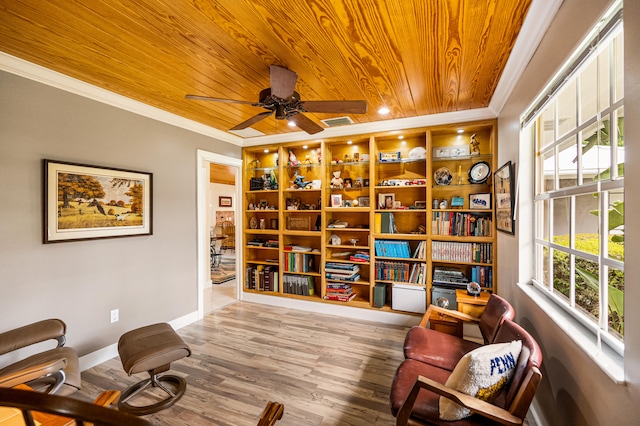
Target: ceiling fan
(282,99)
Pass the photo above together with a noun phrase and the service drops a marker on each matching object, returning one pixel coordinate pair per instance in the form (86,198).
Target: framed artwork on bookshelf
(386,201)
(504,196)
(336,200)
(420,204)
(363,201)
(480,201)
(76,206)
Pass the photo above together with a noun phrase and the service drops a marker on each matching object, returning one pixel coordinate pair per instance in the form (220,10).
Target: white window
(577,127)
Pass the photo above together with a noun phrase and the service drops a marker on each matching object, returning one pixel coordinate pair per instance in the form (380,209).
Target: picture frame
(480,201)
(363,201)
(347,203)
(420,204)
(386,201)
(87,202)
(348,183)
(389,156)
(336,200)
(505,198)
(299,223)
(225,201)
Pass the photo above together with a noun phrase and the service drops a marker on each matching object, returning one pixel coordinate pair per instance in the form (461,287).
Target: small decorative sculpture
(299,181)
(336,180)
(474,145)
(293,160)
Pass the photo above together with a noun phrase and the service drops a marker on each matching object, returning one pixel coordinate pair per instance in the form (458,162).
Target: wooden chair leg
(271,414)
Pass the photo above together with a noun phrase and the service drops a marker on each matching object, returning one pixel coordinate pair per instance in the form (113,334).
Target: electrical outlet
(115,315)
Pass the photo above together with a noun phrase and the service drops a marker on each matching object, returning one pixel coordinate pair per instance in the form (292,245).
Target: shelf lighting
(266,151)
(304,147)
(460,130)
(384,110)
(291,123)
(349,142)
(400,137)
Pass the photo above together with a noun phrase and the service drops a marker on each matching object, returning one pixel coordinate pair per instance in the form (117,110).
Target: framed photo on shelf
(386,201)
(480,201)
(348,183)
(224,202)
(336,200)
(363,201)
(420,204)
(84,202)
(389,156)
(347,203)
(504,195)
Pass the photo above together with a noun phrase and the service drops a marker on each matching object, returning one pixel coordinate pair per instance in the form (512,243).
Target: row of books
(461,252)
(392,271)
(303,285)
(392,248)
(262,278)
(339,292)
(384,223)
(258,242)
(299,262)
(483,275)
(461,224)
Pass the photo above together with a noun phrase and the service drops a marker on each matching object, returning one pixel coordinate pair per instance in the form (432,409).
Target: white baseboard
(105,354)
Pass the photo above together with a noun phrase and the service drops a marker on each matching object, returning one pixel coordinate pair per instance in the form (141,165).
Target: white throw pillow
(481,373)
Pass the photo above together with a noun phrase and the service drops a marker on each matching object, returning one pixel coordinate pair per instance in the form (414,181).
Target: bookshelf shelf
(351,195)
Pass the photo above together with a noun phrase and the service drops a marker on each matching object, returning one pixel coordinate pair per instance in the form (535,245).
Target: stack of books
(340,292)
(342,271)
(360,256)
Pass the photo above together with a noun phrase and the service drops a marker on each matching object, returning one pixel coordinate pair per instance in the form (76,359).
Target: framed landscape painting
(84,202)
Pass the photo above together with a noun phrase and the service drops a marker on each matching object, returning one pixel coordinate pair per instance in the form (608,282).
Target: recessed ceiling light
(266,151)
(291,123)
(400,137)
(349,142)
(384,110)
(304,147)
(460,130)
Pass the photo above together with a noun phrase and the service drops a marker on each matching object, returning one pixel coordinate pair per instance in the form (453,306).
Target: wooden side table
(471,305)
(445,324)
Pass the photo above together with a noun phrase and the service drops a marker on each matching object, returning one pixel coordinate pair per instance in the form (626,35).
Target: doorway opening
(219,259)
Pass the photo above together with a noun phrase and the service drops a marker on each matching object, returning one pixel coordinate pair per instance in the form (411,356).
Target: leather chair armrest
(447,312)
(51,371)
(33,333)
(476,405)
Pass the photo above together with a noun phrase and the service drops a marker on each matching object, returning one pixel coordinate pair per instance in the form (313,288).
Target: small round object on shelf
(418,153)
(473,289)
(479,172)
(442,176)
(442,302)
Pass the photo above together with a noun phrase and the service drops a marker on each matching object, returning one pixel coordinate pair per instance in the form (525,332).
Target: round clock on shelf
(479,172)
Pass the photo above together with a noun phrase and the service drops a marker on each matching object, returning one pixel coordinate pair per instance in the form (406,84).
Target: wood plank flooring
(326,370)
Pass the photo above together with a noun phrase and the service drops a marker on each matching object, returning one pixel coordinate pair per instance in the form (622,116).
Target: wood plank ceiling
(417,57)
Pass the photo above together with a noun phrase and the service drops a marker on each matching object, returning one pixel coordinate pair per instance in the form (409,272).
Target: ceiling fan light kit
(282,99)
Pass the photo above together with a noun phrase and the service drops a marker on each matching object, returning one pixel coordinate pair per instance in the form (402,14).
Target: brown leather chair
(444,350)
(417,387)
(66,380)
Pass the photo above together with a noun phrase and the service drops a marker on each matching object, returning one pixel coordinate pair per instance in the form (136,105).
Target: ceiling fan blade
(253,120)
(207,98)
(283,82)
(306,124)
(348,107)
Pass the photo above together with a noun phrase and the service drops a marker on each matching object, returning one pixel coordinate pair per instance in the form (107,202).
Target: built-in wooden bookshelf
(342,219)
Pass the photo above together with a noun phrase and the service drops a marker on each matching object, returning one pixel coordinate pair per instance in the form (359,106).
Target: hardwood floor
(326,370)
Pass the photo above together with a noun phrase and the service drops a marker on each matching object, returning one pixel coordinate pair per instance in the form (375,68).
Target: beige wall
(149,278)
(574,390)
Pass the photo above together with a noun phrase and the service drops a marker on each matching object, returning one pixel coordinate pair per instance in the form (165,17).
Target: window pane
(589,138)
(561,274)
(619,138)
(587,287)
(616,226)
(567,108)
(568,163)
(618,57)
(604,82)
(545,267)
(547,125)
(588,96)
(616,301)
(587,223)
(542,215)
(561,221)
(547,176)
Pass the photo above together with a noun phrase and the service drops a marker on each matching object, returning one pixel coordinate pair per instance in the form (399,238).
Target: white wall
(149,278)
(574,391)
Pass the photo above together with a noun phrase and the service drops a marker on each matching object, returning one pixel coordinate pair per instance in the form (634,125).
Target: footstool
(152,348)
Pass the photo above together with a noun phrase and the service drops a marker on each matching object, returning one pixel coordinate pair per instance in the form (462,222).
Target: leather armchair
(55,370)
